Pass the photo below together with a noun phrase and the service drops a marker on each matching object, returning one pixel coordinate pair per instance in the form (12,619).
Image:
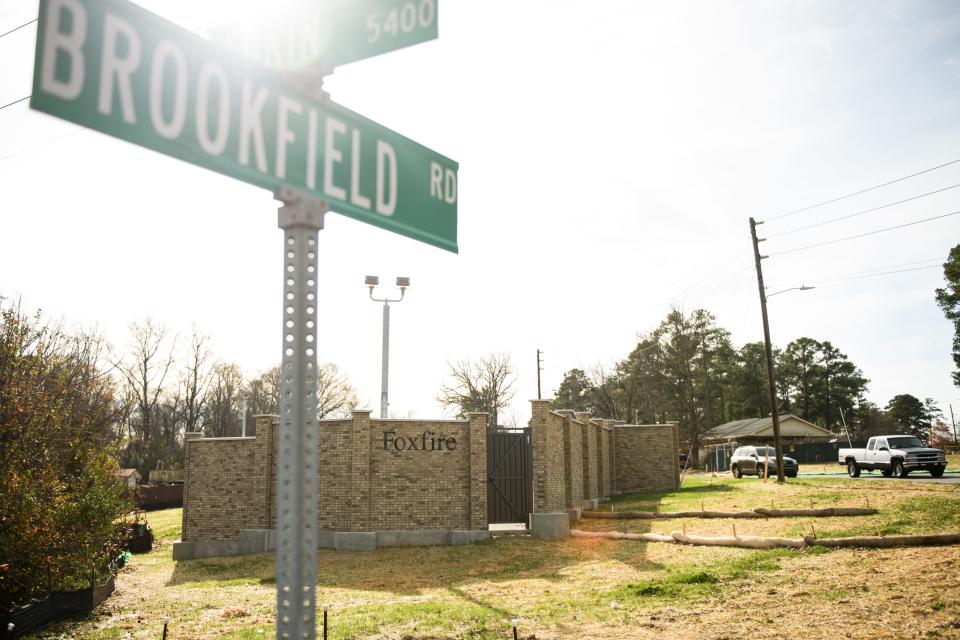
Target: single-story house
(760,431)
(129,478)
(719,442)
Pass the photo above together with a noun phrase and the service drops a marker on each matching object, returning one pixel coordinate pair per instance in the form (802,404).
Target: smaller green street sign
(111,66)
(313,32)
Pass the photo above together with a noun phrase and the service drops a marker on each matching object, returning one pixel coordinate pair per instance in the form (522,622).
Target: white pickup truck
(893,456)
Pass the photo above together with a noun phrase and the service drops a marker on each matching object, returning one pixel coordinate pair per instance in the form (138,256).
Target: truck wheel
(853,470)
(898,469)
(736,472)
(759,472)
(886,472)
(936,472)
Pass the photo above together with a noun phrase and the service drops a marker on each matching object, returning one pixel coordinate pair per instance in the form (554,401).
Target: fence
(56,606)
(717,456)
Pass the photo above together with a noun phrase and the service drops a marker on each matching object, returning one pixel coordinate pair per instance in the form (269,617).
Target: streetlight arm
(800,288)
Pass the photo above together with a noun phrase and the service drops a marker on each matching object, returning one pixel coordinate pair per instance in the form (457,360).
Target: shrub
(61,504)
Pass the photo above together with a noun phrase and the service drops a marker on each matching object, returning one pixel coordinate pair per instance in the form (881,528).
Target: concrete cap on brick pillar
(361,412)
(566,413)
(582,416)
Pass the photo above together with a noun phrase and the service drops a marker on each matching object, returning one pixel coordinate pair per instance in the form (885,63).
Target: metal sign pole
(301,218)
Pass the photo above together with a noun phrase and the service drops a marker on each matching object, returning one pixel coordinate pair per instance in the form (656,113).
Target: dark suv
(748,461)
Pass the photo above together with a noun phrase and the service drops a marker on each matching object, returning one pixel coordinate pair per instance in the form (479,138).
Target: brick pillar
(262,476)
(604,450)
(676,454)
(597,426)
(589,456)
(539,440)
(572,460)
(613,457)
(550,519)
(477,441)
(187,477)
(359,499)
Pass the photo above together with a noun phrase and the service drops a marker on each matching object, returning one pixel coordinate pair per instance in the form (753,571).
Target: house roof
(790,426)
(126,473)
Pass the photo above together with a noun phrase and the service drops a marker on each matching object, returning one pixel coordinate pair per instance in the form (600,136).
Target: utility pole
(539,369)
(771,384)
(954,423)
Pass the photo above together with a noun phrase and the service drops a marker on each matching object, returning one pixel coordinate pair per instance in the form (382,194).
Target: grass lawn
(586,588)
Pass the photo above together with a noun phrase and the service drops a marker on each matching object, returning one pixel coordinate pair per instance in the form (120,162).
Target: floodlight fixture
(403,281)
(371,281)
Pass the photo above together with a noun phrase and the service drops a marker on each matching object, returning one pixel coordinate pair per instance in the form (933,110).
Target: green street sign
(329,33)
(111,66)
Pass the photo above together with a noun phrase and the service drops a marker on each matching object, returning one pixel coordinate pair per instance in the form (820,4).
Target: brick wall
(598,457)
(549,484)
(374,475)
(217,488)
(646,457)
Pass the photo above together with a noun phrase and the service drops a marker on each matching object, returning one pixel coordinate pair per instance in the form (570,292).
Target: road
(950,478)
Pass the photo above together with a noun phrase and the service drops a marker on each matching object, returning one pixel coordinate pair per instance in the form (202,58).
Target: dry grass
(583,588)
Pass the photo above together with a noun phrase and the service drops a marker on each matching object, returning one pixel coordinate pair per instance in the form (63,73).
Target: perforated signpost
(114,67)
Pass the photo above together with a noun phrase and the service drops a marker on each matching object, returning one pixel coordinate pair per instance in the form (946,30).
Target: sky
(611,154)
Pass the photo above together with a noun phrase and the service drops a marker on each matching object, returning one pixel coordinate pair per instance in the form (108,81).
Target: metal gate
(509,475)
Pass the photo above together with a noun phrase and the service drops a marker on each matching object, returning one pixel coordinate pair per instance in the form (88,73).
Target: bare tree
(263,393)
(221,415)
(336,397)
(144,370)
(194,380)
(485,385)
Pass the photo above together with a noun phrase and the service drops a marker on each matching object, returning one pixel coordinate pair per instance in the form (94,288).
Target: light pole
(371,282)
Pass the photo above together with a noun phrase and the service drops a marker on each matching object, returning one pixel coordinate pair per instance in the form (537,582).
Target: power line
(18,28)
(860,213)
(863,235)
(10,104)
(713,272)
(857,193)
(725,282)
(873,275)
(897,266)
(870,272)
(42,144)
(716,255)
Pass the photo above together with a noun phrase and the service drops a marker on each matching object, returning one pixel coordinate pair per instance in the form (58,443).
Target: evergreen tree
(949,300)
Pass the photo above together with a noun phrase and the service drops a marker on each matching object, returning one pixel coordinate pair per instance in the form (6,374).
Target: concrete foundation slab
(468,536)
(264,540)
(257,540)
(550,526)
(590,505)
(411,538)
(325,539)
(355,540)
(574,515)
(194,550)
